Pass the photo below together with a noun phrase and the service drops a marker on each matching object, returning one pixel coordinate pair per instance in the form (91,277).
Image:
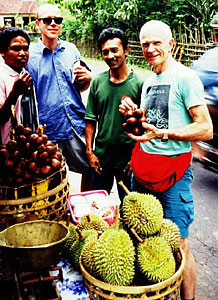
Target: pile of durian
(142,249)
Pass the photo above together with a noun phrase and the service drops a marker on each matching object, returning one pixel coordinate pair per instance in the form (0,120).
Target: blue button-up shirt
(59,101)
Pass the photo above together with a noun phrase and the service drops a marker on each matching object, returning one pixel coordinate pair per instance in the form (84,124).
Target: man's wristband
(165,136)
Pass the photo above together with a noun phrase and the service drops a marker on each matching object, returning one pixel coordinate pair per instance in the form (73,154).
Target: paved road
(204,232)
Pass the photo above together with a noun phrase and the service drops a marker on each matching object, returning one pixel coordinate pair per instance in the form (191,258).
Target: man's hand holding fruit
(135,125)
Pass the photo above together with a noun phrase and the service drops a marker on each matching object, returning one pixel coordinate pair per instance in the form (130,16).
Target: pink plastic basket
(92,202)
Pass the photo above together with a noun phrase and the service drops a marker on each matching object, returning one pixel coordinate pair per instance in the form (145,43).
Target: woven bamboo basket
(166,290)
(46,198)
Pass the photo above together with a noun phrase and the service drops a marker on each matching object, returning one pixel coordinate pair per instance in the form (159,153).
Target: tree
(86,18)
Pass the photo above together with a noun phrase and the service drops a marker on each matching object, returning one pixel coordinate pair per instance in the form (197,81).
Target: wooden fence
(88,48)
(183,52)
(188,52)
(191,44)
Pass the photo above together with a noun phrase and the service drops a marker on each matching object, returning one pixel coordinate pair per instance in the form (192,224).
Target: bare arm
(92,158)
(200,129)
(21,84)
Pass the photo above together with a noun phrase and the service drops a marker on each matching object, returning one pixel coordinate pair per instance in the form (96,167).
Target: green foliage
(85,19)
(71,29)
(31,27)
(133,61)
(89,17)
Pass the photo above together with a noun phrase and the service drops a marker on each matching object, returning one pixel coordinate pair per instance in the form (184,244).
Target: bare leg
(86,183)
(190,272)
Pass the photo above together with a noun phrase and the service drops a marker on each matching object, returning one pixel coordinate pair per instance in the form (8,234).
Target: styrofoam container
(96,202)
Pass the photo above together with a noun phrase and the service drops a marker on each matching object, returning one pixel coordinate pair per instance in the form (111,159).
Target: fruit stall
(33,176)
(59,246)
(136,257)
(34,190)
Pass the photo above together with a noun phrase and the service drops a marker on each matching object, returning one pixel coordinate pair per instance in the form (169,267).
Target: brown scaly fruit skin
(27,157)
(133,122)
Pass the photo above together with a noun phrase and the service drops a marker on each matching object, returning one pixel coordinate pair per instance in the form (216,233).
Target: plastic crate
(96,202)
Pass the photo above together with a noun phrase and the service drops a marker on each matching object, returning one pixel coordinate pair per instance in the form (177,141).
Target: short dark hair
(9,33)
(111,33)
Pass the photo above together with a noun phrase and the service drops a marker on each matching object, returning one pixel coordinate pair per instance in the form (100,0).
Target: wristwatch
(165,136)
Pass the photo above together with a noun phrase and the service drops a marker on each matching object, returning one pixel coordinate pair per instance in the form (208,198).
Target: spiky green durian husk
(155,259)
(73,236)
(88,253)
(170,232)
(95,223)
(114,257)
(76,248)
(142,212)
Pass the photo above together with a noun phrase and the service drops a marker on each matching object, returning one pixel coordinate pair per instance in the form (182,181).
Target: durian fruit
(92,222)
(88,253)
(155,259)
(76,248)
(114,257)
(74,252)
(73,236)
(170,232)
(142,212)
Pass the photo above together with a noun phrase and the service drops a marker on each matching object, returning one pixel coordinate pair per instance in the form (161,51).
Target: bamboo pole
(124,187)
(117,217)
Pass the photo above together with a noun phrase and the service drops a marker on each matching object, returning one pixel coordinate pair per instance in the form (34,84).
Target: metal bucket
(34,245)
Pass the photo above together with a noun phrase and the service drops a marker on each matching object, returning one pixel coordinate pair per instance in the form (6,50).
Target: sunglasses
(48,21)
(19,48)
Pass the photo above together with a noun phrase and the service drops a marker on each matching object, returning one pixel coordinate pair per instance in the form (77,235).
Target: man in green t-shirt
(112,153)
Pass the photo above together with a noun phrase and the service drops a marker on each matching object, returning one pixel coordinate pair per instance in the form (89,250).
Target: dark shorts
(177,202)
(74,151)
(106,179)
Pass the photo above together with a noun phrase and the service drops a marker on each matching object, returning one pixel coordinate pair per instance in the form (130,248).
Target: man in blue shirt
(59,77)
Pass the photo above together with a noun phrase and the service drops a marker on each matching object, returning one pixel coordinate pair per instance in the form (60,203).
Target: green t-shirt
(112,147)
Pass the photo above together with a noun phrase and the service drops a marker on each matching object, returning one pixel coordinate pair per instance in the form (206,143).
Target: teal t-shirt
(112,147)
(167,98)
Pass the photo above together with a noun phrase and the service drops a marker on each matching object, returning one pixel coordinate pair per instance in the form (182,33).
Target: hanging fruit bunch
(28,156)
(133,122)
